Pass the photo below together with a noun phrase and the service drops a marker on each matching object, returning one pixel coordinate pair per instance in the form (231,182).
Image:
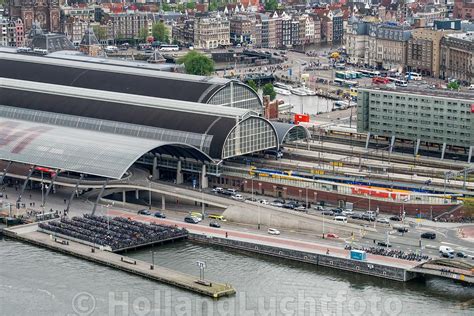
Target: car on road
(273,231)
(191,219)
(277,203)
(383,244)
(218,217)
(160,215)
(144,212)
(328,212)
(237,197)
(447,255)
(368,217)
(347,212)
(395,218)
(215,224)
(331,235)
(300,208)
(461,254)
(217,190)
(356,216)
(383,220)
(264,202)
(428,235)
(232,191)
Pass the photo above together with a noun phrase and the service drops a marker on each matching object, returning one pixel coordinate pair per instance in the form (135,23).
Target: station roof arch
(139,80)
(203,127)
(83,151)
(290,132)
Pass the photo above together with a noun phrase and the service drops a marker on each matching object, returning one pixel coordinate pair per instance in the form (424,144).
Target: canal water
(308,104)
(34,281)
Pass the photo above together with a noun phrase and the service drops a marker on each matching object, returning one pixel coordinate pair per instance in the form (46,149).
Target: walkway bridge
(447,268)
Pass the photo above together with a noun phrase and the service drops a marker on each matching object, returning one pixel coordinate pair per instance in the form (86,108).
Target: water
(34,281)
(308,104)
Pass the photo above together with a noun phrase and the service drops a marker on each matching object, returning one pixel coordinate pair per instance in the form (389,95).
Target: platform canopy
(79,150)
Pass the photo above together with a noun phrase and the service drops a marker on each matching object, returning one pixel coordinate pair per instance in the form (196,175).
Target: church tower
(45,12)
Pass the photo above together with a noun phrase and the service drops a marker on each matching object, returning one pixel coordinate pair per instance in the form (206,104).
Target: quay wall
(362,267)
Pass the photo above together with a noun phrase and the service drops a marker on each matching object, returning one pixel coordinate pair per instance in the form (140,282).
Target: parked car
(231,191)
(318,208)
(428,235)
(368,217)
(237,197)
(191,219)
(395,218)
(383,244)
(328,212)
(300,208)
(383,220)
(215,224)
(273,231)
(217,190)
(251,199)
(331,235)
(461,254)
(264,202)
(144,212)
(447,255)
(160,215)
(356,216)
(347,212)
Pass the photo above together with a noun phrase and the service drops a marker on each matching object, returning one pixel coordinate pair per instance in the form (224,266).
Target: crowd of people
(399,254)
(117,233)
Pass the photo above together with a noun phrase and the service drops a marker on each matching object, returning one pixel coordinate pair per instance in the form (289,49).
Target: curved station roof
(82,74)
(289,132)
(83,151)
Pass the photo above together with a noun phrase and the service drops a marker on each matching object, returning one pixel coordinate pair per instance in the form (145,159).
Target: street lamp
(149,191)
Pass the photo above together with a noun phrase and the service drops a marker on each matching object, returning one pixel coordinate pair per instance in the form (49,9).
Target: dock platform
(29,233)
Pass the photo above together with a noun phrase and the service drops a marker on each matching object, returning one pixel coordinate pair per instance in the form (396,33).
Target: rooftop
(465,95)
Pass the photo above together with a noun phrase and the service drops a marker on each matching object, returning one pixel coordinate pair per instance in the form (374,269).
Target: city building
(356,40)
(125,26)
(457,57)
(46,13)
(211,32)
(463,9)
(16,33)
(267,30)
(4,22)
(388,51)
(242,29)
(183,31)
(423,51)
(443,119)
(337,28)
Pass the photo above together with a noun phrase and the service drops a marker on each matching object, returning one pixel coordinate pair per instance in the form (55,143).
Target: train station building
(94,119)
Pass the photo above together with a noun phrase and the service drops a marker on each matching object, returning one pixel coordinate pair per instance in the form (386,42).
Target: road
(446,233)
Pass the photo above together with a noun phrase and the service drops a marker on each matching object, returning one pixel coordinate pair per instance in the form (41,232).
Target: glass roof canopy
(78,150)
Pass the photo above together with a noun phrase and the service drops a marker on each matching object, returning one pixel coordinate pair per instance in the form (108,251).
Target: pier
(29,233)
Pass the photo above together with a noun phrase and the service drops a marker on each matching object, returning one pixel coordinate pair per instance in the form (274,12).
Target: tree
(252,85)
(454,85)
(197,64)
(142,34)
(271,5)
(213,5)
(190,5)
(160,32)
(99,32)
(268,90)
(166,7)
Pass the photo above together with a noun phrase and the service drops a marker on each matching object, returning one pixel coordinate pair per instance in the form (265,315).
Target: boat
(299,91)
(282,91)
(341,105)
(282,86)
(308,91)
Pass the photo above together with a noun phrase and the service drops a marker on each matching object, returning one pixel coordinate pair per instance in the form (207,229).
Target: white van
(446,250)
(340,219)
